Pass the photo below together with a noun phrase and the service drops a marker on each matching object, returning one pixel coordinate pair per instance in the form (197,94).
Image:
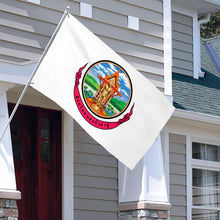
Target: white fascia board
(215,2)
(195,116)
(16,73)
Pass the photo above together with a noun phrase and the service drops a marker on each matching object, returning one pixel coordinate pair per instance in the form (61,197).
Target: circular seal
(107,89)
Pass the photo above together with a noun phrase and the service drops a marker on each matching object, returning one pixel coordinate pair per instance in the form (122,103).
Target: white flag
(113,102)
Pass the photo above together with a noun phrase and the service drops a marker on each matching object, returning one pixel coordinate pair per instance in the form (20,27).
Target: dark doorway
(36,142)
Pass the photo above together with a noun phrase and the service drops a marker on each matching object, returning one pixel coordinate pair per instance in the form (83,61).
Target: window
(16,139)
(46,140)
(205,181)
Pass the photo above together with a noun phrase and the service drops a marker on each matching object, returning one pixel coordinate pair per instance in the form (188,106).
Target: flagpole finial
(68,10)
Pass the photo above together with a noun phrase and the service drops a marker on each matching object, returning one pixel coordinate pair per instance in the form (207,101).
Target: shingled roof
(200,95)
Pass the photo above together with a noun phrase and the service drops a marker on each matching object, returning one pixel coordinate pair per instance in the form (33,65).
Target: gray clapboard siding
(92,215)
(12,59)
(31,25)
(89,148)
(27,39)
(100,194)
(37,12)
(26,24)
(135,50)
(92,159)
(11,52)
(97,171)
(123,33)
(177,157)
(95,179)
(150,4)
(179,201)
(143,10)
(95,205)
(95,182)
(144,65)
(182,33)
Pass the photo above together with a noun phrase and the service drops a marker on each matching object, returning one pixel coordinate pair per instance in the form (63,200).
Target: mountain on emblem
(106,89)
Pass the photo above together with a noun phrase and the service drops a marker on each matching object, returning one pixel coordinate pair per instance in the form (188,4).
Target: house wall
(182,33)
(177,156)
(26,29)
(95,175)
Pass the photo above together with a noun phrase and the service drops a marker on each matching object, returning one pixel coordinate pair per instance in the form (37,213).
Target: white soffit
(203,6)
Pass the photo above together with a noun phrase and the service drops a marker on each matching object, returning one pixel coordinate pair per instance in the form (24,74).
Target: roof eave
(202,6)
(196,116)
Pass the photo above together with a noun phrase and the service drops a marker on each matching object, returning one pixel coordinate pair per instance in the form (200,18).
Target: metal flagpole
(66,12)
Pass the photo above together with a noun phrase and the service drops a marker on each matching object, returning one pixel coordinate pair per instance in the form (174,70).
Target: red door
(36,142)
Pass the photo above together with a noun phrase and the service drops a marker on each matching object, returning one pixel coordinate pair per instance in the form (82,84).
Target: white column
(147,181)
(7,173)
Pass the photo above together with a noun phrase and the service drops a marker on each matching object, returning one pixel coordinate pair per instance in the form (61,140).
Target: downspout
(205,20)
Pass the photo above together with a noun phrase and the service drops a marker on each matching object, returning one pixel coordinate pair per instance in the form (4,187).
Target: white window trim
(200,164)
(196,36)
(34,1)
(189,176)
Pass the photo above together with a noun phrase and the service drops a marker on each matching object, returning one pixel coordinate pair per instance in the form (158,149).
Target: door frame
(67,167)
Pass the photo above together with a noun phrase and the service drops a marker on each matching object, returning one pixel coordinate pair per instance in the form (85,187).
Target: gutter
(195,116)
(215,2)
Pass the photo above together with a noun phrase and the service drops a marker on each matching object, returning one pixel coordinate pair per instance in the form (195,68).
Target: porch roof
(199,95)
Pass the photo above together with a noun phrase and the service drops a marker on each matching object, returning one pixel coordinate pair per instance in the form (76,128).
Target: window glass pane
(198,151)
(16,147)
(16,127)
(46,151)
(212,152)
(206,190)
(199,177)
(200,214)
(206,152)
(45,128)
(199,186)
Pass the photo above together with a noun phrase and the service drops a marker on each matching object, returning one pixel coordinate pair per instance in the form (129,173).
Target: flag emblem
(106,89)
(107,92)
